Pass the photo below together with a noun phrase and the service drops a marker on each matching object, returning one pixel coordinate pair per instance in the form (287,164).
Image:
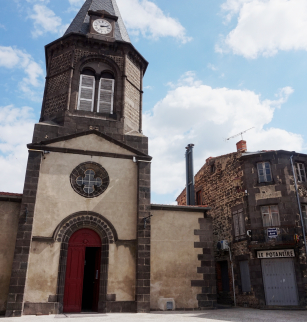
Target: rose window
(89,179)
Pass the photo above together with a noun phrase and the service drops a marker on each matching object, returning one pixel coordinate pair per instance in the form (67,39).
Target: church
(83,236)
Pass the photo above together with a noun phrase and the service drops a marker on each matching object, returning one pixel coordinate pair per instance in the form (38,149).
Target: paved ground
(234,314)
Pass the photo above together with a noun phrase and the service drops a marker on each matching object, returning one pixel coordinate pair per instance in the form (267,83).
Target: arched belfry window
(86,91)
(106,93)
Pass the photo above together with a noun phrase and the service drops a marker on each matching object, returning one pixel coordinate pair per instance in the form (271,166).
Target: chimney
(190,175)
(241,146)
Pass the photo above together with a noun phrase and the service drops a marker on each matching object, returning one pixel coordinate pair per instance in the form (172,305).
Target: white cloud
(196,113)
(212,67)
(76,3)
(265,26)
(45,20)
(146,18)
(13,58)
(16,127)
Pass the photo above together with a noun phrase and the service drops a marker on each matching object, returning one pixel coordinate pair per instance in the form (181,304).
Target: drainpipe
(233,277)
(299,203)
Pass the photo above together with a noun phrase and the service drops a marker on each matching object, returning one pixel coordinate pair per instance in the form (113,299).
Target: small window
(212,168)
(199,198)
(245,276)
(239,223)
(264,172)
(270,216)
(301,173)
(304,212)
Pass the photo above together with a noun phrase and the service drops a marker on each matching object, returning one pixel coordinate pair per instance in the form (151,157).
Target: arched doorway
(82,277)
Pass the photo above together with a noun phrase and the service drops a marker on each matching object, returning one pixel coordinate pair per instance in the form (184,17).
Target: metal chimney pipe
(190,175)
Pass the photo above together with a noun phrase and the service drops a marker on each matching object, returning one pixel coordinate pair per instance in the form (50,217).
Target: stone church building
(84,235)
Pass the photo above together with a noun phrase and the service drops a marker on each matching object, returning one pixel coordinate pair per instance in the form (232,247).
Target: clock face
(102,26)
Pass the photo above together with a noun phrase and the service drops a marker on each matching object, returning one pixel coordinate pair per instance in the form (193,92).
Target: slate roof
(81,22)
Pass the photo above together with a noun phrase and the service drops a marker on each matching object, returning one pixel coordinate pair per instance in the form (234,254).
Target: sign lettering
(280,253)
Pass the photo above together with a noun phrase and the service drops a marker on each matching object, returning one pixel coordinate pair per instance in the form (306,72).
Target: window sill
(95,114)
(261,184)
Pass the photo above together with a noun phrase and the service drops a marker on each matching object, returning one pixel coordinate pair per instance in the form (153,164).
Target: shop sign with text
(279,253)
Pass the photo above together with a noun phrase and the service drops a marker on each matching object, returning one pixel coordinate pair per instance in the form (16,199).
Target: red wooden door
(75,268)
(74,279)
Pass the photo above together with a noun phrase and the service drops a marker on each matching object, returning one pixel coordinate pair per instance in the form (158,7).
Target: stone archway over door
(80,278)
(107,234)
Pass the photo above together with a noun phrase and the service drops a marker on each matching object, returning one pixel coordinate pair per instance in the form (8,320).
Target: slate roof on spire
(81,22)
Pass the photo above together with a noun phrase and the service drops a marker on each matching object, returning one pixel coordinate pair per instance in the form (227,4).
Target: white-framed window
(300,172)
(264,172)
(238,223)
(304,212)
(270,216)
(86,93)
(106,96)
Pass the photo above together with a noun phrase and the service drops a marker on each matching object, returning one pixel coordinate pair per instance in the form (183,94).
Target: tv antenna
(241,133)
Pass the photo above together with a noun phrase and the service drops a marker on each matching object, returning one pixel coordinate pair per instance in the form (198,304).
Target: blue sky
(216,67)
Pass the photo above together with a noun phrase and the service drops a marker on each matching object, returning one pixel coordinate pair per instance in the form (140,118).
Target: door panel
(74,279)
(97,279)
(279,281)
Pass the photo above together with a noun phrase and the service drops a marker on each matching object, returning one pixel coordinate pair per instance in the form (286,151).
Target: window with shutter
(86,93)
(106,96)
(275,216)
(266,216)
(236,224)
(264,172)
(300,172)
(270,216)
(245,276)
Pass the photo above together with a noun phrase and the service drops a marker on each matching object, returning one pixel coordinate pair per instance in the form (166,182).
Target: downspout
(233,277)
(299,203)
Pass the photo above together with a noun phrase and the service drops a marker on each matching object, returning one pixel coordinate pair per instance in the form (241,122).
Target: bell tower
(89,168)
(94,77)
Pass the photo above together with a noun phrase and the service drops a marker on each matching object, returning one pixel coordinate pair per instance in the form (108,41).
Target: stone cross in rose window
(89,182)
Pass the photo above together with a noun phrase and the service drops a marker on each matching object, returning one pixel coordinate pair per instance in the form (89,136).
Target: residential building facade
(254,208)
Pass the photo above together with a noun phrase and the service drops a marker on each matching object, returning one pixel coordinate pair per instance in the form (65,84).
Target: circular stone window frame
(100,172)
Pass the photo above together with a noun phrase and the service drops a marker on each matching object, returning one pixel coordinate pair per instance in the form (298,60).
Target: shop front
(279,278)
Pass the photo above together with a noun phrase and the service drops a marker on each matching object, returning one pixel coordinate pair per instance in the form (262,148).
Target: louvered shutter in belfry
(106,96)
(86,93)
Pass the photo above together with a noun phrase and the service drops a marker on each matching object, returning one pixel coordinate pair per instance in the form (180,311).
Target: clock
(102,26)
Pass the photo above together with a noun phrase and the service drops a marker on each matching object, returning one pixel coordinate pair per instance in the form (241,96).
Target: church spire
(81,23)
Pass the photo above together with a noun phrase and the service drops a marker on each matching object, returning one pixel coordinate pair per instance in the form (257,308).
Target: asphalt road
(233,314)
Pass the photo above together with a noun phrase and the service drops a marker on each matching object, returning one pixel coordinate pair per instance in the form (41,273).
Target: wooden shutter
(245,276)
(106,96)
(86,93)
(241,222)
(236,224)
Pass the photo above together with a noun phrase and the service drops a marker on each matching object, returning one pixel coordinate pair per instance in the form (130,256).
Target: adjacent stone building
(254,207)
(84,236)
